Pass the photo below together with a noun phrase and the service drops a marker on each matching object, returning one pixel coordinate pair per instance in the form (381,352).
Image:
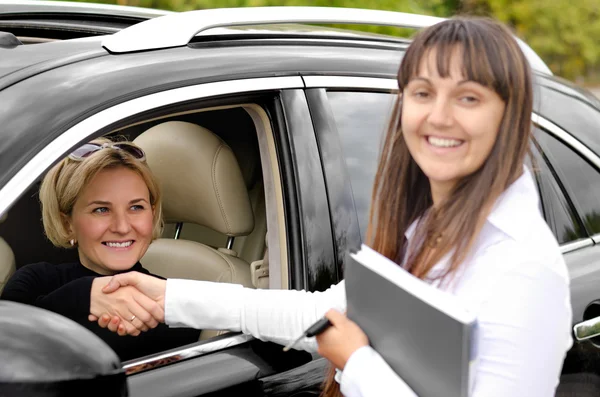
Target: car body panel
(76,80)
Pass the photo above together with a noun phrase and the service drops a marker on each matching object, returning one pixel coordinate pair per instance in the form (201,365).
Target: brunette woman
(452,204)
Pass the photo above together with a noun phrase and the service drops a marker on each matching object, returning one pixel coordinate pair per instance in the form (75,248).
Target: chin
(122,265)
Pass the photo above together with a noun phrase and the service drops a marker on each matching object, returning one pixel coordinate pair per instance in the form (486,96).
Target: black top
(65,289)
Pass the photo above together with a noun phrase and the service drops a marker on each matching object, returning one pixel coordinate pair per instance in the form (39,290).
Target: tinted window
(361,118)
(558,211)
(572,112)
(579,177)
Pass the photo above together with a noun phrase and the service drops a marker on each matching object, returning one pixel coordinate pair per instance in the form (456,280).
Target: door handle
(587,329)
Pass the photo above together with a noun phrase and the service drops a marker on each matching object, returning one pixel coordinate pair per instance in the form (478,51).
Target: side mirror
(43,354)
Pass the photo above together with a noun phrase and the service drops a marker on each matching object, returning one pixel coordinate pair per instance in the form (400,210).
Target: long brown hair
(401,193)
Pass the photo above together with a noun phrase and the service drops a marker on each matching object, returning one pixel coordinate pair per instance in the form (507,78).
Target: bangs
(483,58)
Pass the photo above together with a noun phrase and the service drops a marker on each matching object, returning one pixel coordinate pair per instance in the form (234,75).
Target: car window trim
(569,140)
(82,131)
(201,348)
(577,245)
(85,129)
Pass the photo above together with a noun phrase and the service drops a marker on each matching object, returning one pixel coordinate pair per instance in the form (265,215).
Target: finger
(92,318)
(138,324)
(104,320)
(336,317)
(120,280)
(113,325)
(154,313)
(126,328)
(136,312)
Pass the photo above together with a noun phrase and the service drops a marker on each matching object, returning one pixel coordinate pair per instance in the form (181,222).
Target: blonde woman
(103,201)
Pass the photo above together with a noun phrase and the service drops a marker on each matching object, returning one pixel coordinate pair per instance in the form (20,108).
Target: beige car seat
(202,184)
(7,260)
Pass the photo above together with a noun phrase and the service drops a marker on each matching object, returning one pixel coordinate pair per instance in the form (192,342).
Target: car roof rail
(176,30)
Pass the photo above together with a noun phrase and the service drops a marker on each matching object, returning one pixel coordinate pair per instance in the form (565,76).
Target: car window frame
(347,236)
(578,149)
(105,121)
(390,85)
(554,177)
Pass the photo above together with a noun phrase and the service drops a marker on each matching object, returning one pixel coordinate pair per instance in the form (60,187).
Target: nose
(120,223)
(440,115)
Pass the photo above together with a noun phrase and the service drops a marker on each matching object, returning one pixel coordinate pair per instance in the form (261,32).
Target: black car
(303,108)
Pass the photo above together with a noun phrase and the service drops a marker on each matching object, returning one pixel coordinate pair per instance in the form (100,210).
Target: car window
(558,211)
(361,119)
(571,112)
(580,177)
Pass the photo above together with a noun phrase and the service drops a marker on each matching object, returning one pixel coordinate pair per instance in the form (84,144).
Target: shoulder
(34,268)
(500,263)
(44,269)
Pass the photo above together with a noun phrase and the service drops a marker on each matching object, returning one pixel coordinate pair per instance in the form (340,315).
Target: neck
(94,267)
(440,191)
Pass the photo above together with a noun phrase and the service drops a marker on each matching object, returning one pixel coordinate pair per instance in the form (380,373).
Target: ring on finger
(132,318)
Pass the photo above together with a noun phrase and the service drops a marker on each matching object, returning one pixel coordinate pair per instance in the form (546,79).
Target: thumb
(336,317)
(118,281)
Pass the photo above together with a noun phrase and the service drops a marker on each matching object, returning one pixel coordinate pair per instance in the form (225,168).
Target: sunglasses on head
(90,148)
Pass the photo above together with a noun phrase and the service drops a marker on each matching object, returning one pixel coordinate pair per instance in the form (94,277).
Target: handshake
(128,303)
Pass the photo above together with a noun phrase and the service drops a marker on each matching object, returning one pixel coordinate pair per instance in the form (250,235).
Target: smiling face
(112,221)
(449,123)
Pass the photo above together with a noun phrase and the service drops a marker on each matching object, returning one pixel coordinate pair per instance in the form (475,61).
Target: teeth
(441,142)
(120,245)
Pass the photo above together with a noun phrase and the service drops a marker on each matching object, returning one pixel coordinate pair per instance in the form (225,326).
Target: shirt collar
(512,210)
(515,207)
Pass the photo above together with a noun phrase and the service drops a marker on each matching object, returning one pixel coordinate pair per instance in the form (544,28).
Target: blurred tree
(563,32)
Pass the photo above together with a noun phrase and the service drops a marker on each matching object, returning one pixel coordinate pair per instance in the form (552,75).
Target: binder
(426,335)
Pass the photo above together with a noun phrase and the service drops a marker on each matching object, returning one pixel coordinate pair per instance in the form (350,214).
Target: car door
(300,245)
(577,172)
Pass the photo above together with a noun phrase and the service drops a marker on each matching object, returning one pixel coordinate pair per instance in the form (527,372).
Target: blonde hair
(64,183)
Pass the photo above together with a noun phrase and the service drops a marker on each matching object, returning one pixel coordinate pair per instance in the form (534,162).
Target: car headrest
(200,178)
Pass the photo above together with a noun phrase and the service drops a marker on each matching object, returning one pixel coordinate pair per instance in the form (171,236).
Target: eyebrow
(100,202)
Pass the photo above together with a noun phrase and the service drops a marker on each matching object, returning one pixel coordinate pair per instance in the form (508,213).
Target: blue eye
(137,207)
(100,210)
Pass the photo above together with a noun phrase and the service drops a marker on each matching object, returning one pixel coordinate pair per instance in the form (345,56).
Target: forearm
(274,315)
(70,300)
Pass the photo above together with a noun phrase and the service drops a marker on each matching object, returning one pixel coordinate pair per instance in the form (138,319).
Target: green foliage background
(565,33)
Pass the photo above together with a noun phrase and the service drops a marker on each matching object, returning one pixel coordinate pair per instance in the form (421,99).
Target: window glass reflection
(572,114)
(362,119)
(558,212)
(580,177)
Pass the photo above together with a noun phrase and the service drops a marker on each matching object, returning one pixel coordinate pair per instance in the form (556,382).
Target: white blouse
(515,280)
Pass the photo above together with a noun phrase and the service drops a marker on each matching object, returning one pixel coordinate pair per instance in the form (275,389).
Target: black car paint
(98,80)
(99,83)
(344,221)
(315,231)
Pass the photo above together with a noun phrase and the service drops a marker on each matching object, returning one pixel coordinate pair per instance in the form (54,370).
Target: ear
(67,224)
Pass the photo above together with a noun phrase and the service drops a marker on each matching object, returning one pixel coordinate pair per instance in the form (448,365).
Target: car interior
(208,164)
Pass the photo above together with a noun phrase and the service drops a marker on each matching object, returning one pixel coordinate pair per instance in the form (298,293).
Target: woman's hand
(134,310)
(152,290)
(340,340)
